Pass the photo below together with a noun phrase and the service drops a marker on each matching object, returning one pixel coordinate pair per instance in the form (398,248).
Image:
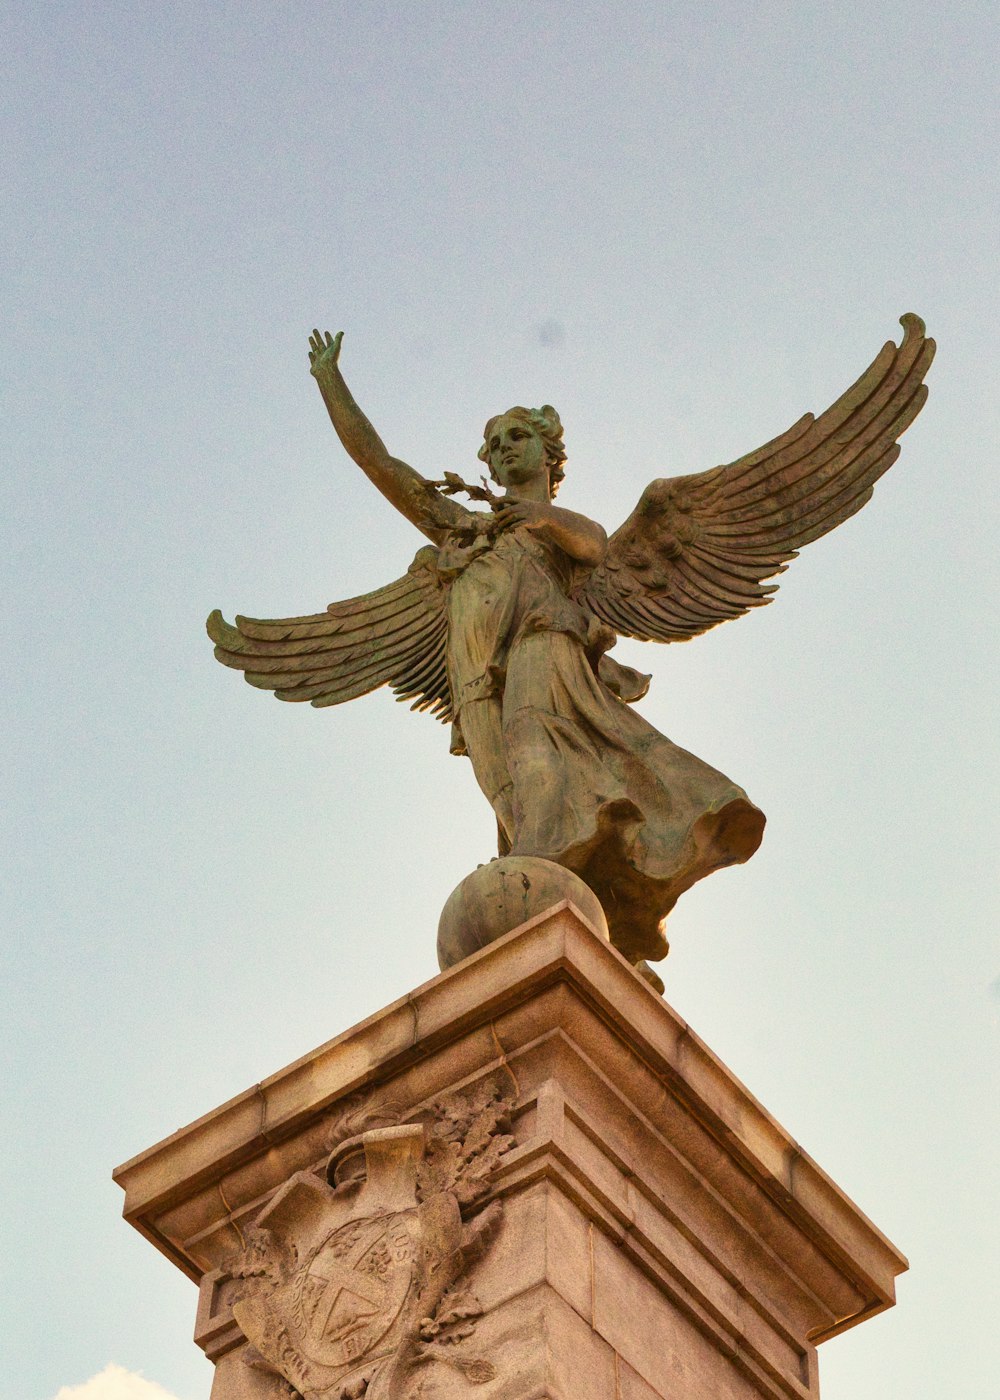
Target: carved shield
(341,1308)
(351,1289)
(337,1279)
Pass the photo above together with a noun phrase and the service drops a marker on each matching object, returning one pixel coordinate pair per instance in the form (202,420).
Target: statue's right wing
(395,636)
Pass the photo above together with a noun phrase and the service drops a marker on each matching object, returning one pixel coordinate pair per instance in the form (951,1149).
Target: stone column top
(556,976)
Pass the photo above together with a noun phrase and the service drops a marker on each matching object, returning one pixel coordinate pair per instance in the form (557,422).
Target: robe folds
(573,773)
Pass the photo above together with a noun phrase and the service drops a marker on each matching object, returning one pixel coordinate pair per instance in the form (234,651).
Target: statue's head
(524,440)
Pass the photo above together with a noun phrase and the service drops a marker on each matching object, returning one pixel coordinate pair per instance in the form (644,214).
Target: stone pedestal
(658,1234)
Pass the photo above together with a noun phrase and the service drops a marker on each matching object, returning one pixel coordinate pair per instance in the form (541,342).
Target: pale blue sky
(684,225)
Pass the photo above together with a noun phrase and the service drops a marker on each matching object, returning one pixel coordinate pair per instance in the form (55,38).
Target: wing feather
(283,672)
(345,659)
(336,689)
(396,635)
(729,566)
(408,583)
(360,637)
(697,549)
(428,691)
(417,676)
(324,625)
(610,610)
(831,462)
(715,582)
(829,427)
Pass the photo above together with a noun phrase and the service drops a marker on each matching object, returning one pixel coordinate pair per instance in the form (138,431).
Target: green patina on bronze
(502,626)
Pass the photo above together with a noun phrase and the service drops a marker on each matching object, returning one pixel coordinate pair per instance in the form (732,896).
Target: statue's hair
(547,425)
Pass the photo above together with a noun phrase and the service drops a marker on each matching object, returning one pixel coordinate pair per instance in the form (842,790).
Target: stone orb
(501,896)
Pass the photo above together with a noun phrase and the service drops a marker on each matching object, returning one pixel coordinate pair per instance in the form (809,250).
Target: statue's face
(517,453)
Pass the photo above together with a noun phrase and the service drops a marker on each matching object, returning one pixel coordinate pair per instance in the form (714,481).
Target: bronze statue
(503,627)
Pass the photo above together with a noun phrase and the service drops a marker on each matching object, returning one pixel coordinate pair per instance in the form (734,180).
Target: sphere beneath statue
(504,894)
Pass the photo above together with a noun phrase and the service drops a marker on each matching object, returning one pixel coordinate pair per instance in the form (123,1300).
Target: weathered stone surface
(355,1285)
(652,1230)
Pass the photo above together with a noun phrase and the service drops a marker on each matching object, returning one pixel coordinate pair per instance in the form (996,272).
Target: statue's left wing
(696,549)
(395,636)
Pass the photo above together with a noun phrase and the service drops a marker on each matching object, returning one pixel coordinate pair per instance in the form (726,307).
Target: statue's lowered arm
(412,494)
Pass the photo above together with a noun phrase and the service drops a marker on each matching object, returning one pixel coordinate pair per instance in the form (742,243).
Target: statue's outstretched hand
(324,351)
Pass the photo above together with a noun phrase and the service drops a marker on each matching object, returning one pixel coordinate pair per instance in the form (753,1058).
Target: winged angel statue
(502,627)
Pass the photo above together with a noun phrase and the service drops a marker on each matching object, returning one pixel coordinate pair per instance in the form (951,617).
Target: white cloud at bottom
(115,1383)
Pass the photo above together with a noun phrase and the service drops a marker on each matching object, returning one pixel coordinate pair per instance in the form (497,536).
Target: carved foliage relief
(351,1287)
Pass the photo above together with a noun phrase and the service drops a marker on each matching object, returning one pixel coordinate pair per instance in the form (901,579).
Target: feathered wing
(395,636)
(696,549)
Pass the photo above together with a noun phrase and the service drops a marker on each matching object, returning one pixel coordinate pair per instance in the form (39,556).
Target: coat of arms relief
(353,1285)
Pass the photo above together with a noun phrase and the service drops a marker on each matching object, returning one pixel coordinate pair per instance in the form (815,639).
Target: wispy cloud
(115,1383)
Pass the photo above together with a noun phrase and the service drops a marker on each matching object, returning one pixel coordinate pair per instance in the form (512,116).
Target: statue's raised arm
(503,629)
(413,495)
